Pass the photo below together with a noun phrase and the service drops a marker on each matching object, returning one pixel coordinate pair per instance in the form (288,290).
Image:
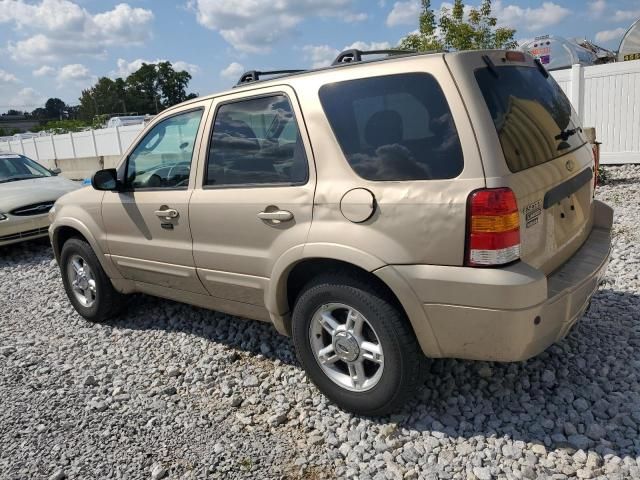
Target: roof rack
(355,55)
(254,75)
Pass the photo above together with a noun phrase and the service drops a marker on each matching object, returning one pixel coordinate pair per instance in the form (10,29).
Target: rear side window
(394,127)
(256,141)
(532,115)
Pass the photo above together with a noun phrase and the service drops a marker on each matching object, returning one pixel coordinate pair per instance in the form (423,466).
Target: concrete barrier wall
(81,168)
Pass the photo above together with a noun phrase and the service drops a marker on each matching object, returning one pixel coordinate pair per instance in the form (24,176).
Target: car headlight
(3,217)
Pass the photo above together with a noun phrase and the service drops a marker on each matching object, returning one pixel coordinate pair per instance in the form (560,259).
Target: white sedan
(27,192)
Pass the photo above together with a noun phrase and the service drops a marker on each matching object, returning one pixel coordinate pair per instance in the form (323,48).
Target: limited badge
(531,213)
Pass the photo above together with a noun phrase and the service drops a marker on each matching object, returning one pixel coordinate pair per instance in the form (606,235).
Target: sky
(55,48)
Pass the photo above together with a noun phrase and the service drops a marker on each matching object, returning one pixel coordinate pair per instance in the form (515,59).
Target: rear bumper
(507,314)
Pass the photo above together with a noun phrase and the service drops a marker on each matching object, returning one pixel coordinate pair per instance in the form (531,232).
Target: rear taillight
(493,231)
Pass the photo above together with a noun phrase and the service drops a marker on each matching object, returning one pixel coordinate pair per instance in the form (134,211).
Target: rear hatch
(549,164)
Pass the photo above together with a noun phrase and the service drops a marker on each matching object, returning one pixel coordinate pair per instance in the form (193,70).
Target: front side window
(394,127)
(256,141)
(162,159)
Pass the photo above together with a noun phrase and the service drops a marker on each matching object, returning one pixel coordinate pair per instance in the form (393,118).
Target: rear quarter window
(394,127)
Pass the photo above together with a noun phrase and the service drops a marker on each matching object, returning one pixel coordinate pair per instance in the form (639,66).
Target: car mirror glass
(106,179)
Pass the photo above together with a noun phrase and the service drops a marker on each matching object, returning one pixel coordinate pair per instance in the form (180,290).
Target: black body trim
(566,189)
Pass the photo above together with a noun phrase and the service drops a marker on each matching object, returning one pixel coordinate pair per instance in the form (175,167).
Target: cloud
(75,73)
(531,19)
(125,68)
(320,55)
(404,13)
(508,15)
(597,7)
(180,65)
(368,46)
(355,17)
(256,25)
(6,77)
(24,98)
(44,71)
(608,35)
(62,28)
(233,71)
(324,55)
(626,15)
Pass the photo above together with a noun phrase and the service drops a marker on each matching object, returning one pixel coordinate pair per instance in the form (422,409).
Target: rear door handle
(167,214)
(276,216)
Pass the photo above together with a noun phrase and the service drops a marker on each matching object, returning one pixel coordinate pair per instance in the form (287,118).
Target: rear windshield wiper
(565,134)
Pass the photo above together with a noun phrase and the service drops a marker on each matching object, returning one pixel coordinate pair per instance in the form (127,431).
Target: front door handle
(167,213)
(276,216)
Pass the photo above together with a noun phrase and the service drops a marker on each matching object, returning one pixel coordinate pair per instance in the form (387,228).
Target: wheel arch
(289,283)
(67,228)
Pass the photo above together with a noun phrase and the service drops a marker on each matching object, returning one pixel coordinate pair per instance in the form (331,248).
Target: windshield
(19,167)
(532,115)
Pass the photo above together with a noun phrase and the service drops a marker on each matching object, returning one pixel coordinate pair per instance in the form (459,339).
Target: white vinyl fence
(607,97)
(91,143)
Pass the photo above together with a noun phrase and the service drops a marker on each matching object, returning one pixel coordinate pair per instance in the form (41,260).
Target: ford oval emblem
(570,164)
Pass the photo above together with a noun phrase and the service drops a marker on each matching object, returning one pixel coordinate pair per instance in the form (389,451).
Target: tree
(54,108)
(459,28)
(172,84)
(154,87)
(150,89)
(106,96)
(39,113)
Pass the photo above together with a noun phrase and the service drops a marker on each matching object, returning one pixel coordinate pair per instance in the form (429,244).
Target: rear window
(532,115)
(394,127)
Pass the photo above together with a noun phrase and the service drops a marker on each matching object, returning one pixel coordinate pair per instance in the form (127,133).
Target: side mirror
(106,179)
(56,171)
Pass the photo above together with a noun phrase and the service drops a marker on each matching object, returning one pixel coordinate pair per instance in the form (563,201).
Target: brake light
(513,56)
(493,231)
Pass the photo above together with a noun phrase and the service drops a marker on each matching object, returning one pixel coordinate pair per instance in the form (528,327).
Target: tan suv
(379,212)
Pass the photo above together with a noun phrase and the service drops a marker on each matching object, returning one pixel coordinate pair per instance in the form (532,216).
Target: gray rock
(548,376)
(539,449)
(58,475)
(579,441)
(581,404)
(251,381)
(580,457)
(158,472)
(277,419)
(595,431)
(482,473)
(170,390)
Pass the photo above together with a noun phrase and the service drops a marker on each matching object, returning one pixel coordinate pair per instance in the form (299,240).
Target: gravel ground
(172,391)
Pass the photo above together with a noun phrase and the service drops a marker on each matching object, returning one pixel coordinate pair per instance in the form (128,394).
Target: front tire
(356,344)
(86,283)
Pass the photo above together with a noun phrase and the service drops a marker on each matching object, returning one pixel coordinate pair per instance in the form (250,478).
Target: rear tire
(86,283)
(371,363)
